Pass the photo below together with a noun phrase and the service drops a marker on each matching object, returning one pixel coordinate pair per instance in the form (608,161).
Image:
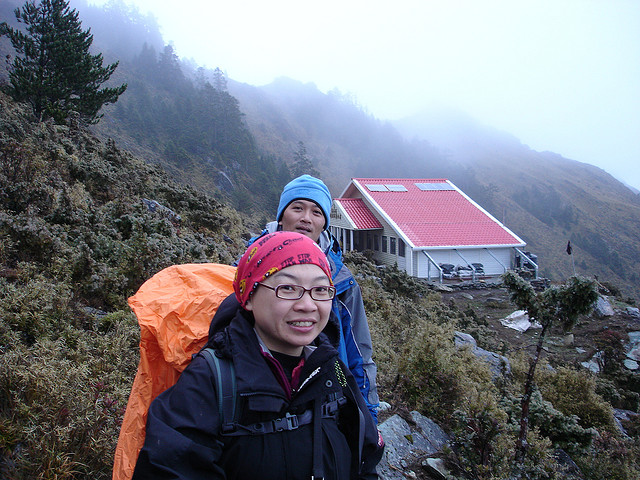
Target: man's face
(286,326)
(305,217)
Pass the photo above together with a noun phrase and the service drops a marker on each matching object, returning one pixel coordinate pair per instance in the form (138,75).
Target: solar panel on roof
(376,187)
(396,188)
(427,187)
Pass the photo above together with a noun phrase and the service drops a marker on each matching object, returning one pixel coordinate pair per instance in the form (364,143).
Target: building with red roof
(425,226)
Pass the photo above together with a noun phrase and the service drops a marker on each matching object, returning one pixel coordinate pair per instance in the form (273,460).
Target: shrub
(34,307)
(573,392)
(563,430)
(483,449)
(62,402)
(438,377)
(611,345)
(611,458)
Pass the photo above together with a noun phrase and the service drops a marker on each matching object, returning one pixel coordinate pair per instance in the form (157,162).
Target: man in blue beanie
(305,204)
(304,207)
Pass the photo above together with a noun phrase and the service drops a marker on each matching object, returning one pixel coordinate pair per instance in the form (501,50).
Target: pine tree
(53,70)
(302,163)
(556,305)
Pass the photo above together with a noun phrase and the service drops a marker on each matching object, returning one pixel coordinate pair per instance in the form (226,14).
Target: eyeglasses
(295,292)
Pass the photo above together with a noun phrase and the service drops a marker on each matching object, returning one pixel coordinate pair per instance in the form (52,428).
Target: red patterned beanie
(270,254)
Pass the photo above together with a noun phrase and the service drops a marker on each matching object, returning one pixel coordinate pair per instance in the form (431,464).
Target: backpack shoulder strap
(225,380)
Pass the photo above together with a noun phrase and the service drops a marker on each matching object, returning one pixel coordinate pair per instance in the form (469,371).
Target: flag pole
(570,253)
(573,265)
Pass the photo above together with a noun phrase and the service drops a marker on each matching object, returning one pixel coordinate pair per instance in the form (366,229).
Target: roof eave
(468,247)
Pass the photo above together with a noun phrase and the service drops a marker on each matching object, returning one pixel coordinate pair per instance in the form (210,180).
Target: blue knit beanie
(306,187)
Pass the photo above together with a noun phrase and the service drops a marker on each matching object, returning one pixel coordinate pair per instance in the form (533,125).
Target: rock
(435,466)
(404,445)
(633,351)
(623,416)
(634,340)
(570,471)
(594,363)
(95,312)
(633,311)
(498,364)
(461,339)
(435,436)
(568,340)
(383,406)
(494,300)
(631,364)
(603,307)
(466,295)
(442,288)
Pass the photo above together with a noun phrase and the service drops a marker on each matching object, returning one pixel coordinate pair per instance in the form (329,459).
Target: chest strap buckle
(288,422)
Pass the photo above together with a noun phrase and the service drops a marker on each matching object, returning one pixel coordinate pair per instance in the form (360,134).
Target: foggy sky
(561,75)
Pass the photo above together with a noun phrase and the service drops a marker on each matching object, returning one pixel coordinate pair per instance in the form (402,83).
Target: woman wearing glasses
(299,411)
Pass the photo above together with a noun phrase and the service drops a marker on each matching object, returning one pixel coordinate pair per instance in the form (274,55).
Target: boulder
(633,351)
(633,311)
(603,307)
(498,364)
(623,416)
(407,445)
(568,340)
(438,287)
(435,466)
(461,339)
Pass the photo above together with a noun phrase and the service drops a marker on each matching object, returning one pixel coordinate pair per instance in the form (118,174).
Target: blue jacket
(184,438)
(355,347)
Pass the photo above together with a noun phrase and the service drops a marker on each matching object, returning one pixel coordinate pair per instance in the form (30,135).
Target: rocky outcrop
(498,364)
(603,307)
(410,443)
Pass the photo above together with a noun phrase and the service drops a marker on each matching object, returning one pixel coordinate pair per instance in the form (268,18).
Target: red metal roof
(437,215)
(359,213)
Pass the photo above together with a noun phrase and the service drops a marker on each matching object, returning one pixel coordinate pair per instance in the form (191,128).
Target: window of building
(401,247)
(384,244)
(392,245)
(369,241)
(376,242)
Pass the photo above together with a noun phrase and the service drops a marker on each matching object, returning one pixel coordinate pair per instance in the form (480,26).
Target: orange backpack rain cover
(174,309)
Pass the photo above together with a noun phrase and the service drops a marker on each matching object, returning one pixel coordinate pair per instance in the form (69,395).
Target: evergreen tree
(54,71)
(556,305)
(219,80)
(302,163)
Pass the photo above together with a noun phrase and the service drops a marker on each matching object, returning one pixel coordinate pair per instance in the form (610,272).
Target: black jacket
(183,439)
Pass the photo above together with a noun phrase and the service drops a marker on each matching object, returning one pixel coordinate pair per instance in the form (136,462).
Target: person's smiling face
(305,217)
(286,326)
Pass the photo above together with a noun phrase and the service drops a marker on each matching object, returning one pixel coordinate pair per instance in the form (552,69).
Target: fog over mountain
(561,76)
(546,198)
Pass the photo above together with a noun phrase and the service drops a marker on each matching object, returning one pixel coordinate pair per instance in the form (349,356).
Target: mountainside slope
(240,146)
(82,225)
(544,198)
